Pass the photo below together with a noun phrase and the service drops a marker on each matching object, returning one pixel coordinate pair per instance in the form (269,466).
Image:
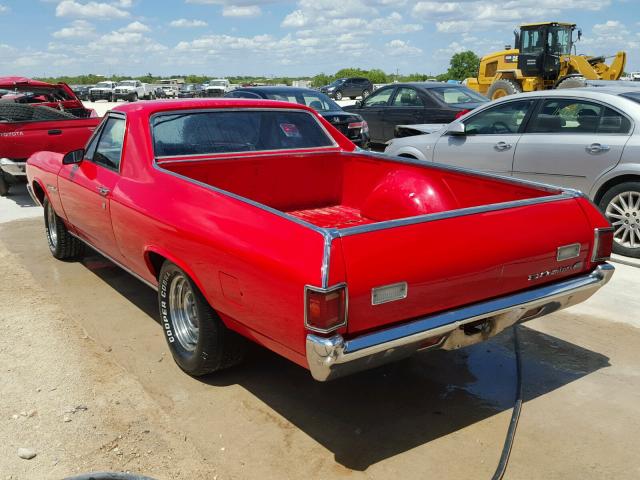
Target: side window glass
(109,147)
(613,122)
(381,97)
(568,116)
(407,97)
(505,118)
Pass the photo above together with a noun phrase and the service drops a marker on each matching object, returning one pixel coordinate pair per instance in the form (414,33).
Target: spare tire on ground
(16,112)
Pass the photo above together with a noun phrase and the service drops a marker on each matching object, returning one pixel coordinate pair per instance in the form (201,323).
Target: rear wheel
(572,82)
(134,98)
(502,88)
(199,342)
(338,95)
(61,243)
(621,206)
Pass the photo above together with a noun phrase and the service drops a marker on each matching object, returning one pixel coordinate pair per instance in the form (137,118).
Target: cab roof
(563,24)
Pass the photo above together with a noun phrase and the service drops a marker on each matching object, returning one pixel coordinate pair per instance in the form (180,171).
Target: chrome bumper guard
(14,168)
(334,357)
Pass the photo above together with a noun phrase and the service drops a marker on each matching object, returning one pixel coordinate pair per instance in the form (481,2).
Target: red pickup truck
(38,116)
(258,220)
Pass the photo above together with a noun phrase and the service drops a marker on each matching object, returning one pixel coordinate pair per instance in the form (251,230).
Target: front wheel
(621,206)
(199,342)
(62,244)
(502,88)
(338,95)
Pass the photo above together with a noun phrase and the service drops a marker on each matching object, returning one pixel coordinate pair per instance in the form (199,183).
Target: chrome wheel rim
(623,212)
(184,312)
(52,231)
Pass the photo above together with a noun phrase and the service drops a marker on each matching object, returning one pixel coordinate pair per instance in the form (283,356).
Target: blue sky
(294,38)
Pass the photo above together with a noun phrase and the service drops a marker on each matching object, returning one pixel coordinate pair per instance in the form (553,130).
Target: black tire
(16,112)
(365,94)
(502,88)
(91,99)
(113,98)
(62,244)
(352,98)
(4,186)
(630,215)
(213,347)
(338,95)
(134,98)
(572,82)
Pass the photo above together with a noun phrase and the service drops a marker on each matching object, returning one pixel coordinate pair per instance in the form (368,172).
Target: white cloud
(78,29)
(295,19)
(401,48)
(185,23)
(241,11)
(137,27)
(3,9)
(96,10)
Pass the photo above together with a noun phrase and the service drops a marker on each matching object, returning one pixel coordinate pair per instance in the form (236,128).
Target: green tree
(463,65)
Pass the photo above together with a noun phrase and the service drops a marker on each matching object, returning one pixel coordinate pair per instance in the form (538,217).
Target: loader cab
(540,47)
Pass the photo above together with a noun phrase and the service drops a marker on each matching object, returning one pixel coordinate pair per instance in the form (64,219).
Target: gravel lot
(88,384)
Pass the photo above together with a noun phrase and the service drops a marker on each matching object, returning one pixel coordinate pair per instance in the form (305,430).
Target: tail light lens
(602,244)
(325,309)
(462,112)
(363,125)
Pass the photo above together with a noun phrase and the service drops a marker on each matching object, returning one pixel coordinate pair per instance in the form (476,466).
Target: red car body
(416,255)
(22,136)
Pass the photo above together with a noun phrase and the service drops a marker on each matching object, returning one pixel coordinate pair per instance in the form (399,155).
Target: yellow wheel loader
(542,60)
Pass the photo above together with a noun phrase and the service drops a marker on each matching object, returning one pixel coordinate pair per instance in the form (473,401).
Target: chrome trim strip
(130,272)
(576,246)
(430,217)
(333,357)
(326,256)
(235,155)
(327,290)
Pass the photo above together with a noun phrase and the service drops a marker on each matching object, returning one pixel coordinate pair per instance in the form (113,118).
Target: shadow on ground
(19,195)
(374,415)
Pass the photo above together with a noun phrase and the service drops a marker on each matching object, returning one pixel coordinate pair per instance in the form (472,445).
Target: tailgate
(460,260)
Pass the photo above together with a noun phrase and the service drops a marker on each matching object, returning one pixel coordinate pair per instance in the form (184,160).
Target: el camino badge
(555,271)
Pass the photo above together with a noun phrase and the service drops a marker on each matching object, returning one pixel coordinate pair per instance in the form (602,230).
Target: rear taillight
(462,112)
(602,244)
(325,309)
(363,125)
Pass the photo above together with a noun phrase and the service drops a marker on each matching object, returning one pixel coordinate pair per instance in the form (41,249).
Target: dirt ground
(84,334)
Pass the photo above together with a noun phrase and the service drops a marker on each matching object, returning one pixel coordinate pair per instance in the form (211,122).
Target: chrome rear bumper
(334,357)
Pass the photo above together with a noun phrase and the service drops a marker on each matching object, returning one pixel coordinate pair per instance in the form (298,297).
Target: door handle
(502,146)
(104,191)
(597,148)
(55,132)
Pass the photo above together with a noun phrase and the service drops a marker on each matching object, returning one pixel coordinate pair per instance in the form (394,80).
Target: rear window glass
(201,133)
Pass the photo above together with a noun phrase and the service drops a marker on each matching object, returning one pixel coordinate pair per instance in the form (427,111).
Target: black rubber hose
(515,415)
(108,476)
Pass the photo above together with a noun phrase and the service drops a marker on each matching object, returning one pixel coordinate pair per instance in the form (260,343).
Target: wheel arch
(155,256)
(410,152)
(611,182)
(38,191)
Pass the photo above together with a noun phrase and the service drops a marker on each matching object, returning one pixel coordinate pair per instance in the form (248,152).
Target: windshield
(339,81)
(559,40)
(457,95)
(127,83)
(318,101)
(634,96)
(218,83)
(103,85)
(202,133)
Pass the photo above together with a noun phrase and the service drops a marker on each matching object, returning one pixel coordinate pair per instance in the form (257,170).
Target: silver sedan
(580,138)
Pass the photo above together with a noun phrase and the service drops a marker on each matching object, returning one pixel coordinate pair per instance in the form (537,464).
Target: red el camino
(258,220)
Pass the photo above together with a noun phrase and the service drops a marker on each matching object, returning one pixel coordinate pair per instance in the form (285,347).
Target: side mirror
(456,128)
(359,103)
(579,34)
(71,158)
